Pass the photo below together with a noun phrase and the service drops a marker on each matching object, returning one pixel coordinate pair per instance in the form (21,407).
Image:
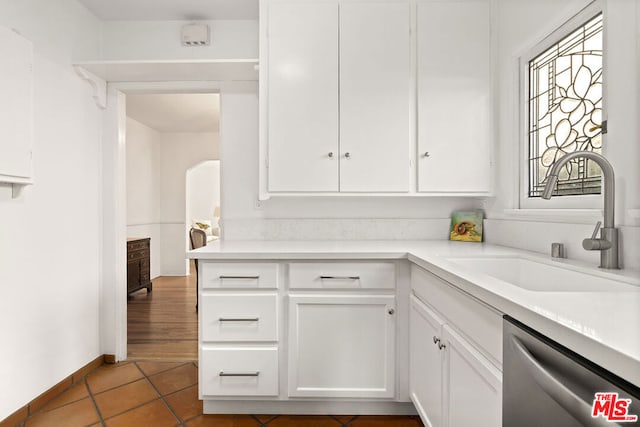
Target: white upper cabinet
(375,96)
(302,96)
(454,102)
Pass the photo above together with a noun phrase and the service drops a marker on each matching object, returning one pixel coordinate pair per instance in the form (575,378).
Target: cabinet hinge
(605,127)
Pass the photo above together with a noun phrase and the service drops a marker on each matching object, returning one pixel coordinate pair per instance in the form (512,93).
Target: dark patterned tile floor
(157,394)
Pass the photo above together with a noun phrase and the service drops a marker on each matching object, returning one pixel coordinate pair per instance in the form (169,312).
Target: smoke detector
(195,35)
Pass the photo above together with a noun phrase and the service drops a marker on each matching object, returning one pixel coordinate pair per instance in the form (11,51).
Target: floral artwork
(466,226)
(565,110)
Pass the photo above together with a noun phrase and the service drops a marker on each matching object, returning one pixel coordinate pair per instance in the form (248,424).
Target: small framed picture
(466,226)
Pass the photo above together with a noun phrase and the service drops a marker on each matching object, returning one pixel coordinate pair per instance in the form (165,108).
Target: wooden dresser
(138,264)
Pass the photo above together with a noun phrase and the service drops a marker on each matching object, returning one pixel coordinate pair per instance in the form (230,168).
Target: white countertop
(604,327)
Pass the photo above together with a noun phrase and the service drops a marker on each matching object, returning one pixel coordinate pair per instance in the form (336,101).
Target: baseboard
(18,417)
(297,407)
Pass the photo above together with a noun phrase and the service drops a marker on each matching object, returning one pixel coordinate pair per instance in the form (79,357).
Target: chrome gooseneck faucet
(607,244)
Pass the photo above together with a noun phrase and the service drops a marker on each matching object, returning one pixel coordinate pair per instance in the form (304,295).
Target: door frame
(113,274)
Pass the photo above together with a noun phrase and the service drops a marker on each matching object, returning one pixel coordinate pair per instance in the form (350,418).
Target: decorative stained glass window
(565,110)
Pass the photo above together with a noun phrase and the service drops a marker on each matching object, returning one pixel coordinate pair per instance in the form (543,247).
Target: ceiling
(184,112)
(170,10)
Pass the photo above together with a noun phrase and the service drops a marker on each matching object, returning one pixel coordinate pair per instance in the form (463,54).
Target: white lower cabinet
(344,341)
(451,382)
(425,363)
(342,346)
(472,386)
(238,324)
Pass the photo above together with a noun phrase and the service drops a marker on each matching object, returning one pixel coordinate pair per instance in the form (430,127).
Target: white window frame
(558,202)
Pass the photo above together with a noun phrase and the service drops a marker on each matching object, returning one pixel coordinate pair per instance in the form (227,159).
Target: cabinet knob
(441,346)
(330,154)
(347,155)
(391,311)
(436,340)
(426,154)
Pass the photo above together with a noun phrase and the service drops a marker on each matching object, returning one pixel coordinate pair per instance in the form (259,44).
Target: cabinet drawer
(347,275)
(139,254)
(238,275)
(239,372)
(481,324)
(137,245)
(241,317)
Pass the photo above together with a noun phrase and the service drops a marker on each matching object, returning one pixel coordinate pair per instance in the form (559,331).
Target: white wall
(50,238)
(143,188)
(203,190)
(160,40)
(520,24)
(179,152)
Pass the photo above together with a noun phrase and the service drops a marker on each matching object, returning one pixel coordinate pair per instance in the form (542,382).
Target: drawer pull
(239,374)
(239,319)
(340,277)
(240,277)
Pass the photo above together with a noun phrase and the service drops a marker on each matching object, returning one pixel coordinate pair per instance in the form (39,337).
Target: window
(564,110)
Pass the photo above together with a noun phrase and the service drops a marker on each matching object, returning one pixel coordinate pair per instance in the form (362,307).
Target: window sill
(572,216)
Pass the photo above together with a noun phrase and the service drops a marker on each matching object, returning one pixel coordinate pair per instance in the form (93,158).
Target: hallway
(163,324)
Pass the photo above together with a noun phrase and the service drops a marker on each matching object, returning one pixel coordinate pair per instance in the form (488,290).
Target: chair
(198,239)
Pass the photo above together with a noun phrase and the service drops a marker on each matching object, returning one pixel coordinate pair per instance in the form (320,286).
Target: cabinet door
(454,106)
(425,363)
(375,96)
(342,346)
(303,96)
(472,385)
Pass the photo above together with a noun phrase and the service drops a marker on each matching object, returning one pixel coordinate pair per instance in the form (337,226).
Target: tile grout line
(348,423)
(344,424)
(264,424)
(180,422)
(182,363)
(95,404)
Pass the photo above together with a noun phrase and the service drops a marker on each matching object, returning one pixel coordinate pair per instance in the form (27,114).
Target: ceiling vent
(195,35)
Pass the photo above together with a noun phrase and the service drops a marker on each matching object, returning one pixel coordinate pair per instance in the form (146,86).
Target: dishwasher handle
(566,398)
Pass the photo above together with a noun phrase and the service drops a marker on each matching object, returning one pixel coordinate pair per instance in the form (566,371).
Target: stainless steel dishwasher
(546,384)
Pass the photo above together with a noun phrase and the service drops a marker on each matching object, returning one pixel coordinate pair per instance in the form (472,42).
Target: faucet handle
(595,232)
(594,243)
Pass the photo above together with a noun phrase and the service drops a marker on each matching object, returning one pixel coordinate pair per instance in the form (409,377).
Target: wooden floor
(163,324)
